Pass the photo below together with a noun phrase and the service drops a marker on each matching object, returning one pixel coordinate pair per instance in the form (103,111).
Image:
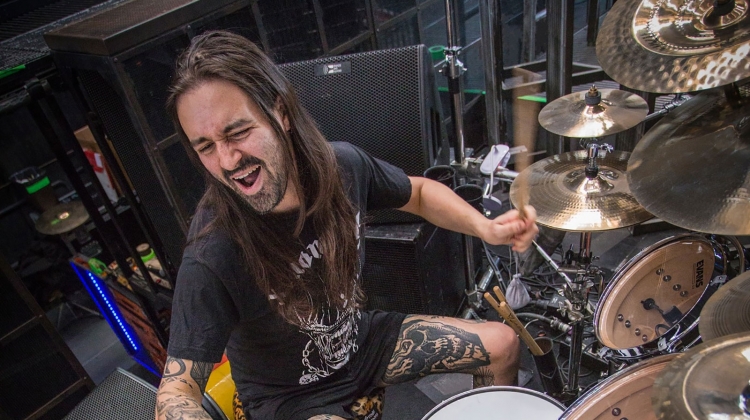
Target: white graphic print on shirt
(332,338)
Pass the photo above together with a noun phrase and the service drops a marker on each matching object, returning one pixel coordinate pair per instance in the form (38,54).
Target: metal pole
(559,59)
(528,41)
(453,69)
(492,51)
(491,104)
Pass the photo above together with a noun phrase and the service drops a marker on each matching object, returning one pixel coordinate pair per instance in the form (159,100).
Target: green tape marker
(31,189)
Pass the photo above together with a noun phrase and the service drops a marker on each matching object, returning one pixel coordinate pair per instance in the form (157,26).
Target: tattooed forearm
(200,373)
(181,390)
(431,346)
(180,408)
(174,367)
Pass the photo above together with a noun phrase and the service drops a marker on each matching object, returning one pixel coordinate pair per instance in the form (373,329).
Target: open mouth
(247,178)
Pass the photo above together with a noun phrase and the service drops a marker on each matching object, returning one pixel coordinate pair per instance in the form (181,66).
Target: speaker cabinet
(383,101)
(413,268)
(40,377)
(122,61)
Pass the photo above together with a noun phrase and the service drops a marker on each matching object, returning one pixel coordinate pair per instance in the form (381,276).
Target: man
(270,272)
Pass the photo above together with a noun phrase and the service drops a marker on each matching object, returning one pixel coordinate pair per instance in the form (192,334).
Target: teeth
(253,169)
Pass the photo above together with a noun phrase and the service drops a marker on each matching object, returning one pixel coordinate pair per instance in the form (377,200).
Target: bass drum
(624,395)
(652,302)
(499,403)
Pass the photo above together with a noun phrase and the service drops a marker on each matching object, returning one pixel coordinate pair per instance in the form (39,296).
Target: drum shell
(647,251)
(628,391)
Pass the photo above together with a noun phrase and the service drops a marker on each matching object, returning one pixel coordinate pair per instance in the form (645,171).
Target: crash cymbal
(709,381)
(584,115)
(62,218)
(674,46)
(728,310)
(565,199)
(692,169)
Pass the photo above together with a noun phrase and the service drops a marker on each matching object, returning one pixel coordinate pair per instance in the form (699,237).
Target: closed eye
(204,149)
(238,135)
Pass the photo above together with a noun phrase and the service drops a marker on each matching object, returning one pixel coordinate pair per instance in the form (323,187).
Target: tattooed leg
(426,345)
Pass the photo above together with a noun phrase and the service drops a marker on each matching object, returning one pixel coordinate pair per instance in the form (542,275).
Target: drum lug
(718,280)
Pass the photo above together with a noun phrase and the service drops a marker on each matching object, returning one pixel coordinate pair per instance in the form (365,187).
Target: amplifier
(413,268)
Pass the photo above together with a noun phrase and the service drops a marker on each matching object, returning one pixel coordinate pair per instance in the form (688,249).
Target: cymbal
(62,218)
(728,310)
(692,169)
(674,46)
(709,381)
(565,199)
(572,116)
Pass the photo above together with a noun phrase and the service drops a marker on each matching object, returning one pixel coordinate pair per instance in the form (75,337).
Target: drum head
(673,274)
(499,403)
(626,394)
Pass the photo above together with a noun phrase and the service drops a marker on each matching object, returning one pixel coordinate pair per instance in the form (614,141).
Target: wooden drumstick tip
(499,294)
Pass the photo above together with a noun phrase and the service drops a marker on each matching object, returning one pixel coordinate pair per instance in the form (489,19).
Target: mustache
(243,164)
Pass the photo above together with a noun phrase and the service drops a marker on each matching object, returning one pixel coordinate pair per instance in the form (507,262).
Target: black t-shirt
(218,306)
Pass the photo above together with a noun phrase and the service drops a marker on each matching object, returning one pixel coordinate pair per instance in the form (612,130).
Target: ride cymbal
(566,199)
(583,115)
(728,310)
(675,46)
(709,381)
(692,169)
(62,218)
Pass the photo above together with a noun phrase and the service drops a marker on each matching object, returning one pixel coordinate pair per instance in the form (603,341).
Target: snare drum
(498,403)
(652,302)
(626,394)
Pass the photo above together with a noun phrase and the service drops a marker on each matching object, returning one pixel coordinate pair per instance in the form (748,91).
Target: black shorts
(356,381)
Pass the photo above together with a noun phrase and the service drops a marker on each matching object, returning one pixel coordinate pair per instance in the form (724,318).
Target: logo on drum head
(699,273)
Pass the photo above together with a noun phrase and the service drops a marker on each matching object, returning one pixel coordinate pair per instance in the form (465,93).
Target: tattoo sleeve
(178,396)
(430,346)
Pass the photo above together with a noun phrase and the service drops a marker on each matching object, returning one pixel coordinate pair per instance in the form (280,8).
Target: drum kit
(673,319)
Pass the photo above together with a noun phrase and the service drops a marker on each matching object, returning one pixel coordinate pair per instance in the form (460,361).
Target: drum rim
(626,265)
(596,390)
(493,388)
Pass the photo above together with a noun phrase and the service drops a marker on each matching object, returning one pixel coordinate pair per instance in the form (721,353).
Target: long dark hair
(311,168)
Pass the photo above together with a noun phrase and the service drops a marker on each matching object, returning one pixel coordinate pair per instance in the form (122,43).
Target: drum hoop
(627,265)
(492,389)
(666,358)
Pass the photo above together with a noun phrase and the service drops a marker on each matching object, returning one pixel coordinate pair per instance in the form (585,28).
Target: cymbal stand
(453,68)
(576,293)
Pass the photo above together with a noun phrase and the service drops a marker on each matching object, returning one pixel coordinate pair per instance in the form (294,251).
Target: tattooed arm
(181,390)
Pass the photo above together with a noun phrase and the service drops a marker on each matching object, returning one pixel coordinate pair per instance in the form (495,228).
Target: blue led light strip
(110,309)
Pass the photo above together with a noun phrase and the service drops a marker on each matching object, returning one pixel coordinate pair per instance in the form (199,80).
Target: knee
(504,345)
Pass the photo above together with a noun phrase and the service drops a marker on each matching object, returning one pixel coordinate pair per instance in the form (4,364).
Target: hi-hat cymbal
(728,310)
(572,116)
(674,46)
(62,218)
(692,169)
(709,381)
(565,199)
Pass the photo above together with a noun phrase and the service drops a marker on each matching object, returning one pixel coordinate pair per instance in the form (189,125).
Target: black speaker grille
(383,105)
(121,396)
(413,268)
(135,159)
(401,292)
(378,106)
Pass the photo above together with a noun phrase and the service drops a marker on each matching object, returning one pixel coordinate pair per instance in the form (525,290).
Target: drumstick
(499,294)
(506,312)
